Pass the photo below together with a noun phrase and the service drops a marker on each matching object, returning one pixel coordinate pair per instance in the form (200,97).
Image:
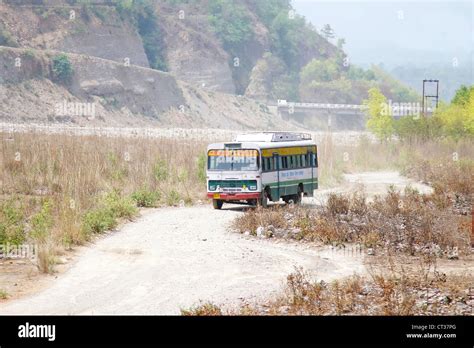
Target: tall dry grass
(56,189)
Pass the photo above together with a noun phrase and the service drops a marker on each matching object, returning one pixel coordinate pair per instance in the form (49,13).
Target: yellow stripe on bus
(288,151)
(233,153)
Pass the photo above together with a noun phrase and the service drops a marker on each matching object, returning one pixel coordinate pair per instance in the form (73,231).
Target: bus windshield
(233,160)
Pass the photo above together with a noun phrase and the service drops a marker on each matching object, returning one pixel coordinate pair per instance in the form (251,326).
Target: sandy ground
(372,183)
(173,258)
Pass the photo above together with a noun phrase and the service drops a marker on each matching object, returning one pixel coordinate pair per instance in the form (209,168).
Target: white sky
(396,32)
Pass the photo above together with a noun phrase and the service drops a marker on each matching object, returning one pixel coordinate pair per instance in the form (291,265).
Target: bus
(260,167)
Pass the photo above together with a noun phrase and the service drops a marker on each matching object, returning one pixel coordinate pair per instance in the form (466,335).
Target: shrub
(146,198)
(160,171)
(201,167)
(42,222)
(206,309)
(98,221)
(62,69)
(173,198)
(104,217)
(12,228)
(6,39)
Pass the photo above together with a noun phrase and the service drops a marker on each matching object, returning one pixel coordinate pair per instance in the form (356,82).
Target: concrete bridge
(327,116)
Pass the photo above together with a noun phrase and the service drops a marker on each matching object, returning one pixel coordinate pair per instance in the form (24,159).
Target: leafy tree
(462,96)
(231,23)
(285,36)
(143,15)
(380,120)
(268,10)
(319,70)
(327,32)
(356,73)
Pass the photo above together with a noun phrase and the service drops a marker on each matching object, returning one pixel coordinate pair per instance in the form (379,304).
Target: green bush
(12,228)
(62,69)
(42,222)
(121,207)
(146,198)
(160,171)
(201,167)
(173,198)
(105,217)
(99,221)
(6,39)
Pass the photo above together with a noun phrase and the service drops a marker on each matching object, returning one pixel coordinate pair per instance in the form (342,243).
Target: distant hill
(261,50)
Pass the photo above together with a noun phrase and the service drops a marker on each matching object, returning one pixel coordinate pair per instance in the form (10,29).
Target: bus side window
(303,161)
(315,160)
(298,161)
(264,164)
(284,164)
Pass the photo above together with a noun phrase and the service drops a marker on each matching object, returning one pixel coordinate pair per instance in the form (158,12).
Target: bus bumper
(234,196)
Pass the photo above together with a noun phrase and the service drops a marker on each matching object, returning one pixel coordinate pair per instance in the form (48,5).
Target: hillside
(172,62)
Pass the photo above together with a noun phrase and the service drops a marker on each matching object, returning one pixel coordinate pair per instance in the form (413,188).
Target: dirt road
(173,258)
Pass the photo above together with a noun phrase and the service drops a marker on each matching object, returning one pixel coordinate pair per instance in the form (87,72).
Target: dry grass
(206,309)
(57,190)
(397,291)
(411,222)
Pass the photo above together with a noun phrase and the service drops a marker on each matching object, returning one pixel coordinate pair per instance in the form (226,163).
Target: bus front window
(233,160)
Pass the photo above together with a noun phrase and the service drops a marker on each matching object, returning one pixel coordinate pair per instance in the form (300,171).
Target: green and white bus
(261,167)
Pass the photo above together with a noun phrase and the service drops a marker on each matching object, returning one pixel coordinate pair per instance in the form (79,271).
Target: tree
(231,23)
(327,32)
(380,120)
(319,70)
(463,95)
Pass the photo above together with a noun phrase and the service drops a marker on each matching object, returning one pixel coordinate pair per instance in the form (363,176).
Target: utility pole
(424,105)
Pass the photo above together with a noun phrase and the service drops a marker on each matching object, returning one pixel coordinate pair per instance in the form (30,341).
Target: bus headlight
(212,187)
(252,188)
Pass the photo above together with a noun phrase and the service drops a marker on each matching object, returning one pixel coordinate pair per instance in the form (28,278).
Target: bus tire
(217,203)
(263,201)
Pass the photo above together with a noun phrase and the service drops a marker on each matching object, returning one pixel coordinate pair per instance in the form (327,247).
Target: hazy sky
(397,32)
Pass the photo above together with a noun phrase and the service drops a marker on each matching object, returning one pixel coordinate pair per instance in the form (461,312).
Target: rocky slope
(118,95)
(215,53)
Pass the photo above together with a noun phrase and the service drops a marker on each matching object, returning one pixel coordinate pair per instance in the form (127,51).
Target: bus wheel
(217,203)
(263,201)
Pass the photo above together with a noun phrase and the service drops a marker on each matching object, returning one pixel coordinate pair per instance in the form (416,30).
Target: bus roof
(272,137)
(266,140)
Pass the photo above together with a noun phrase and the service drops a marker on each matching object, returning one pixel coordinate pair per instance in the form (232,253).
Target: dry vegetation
(410,222)
(59,190)
(398,290)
